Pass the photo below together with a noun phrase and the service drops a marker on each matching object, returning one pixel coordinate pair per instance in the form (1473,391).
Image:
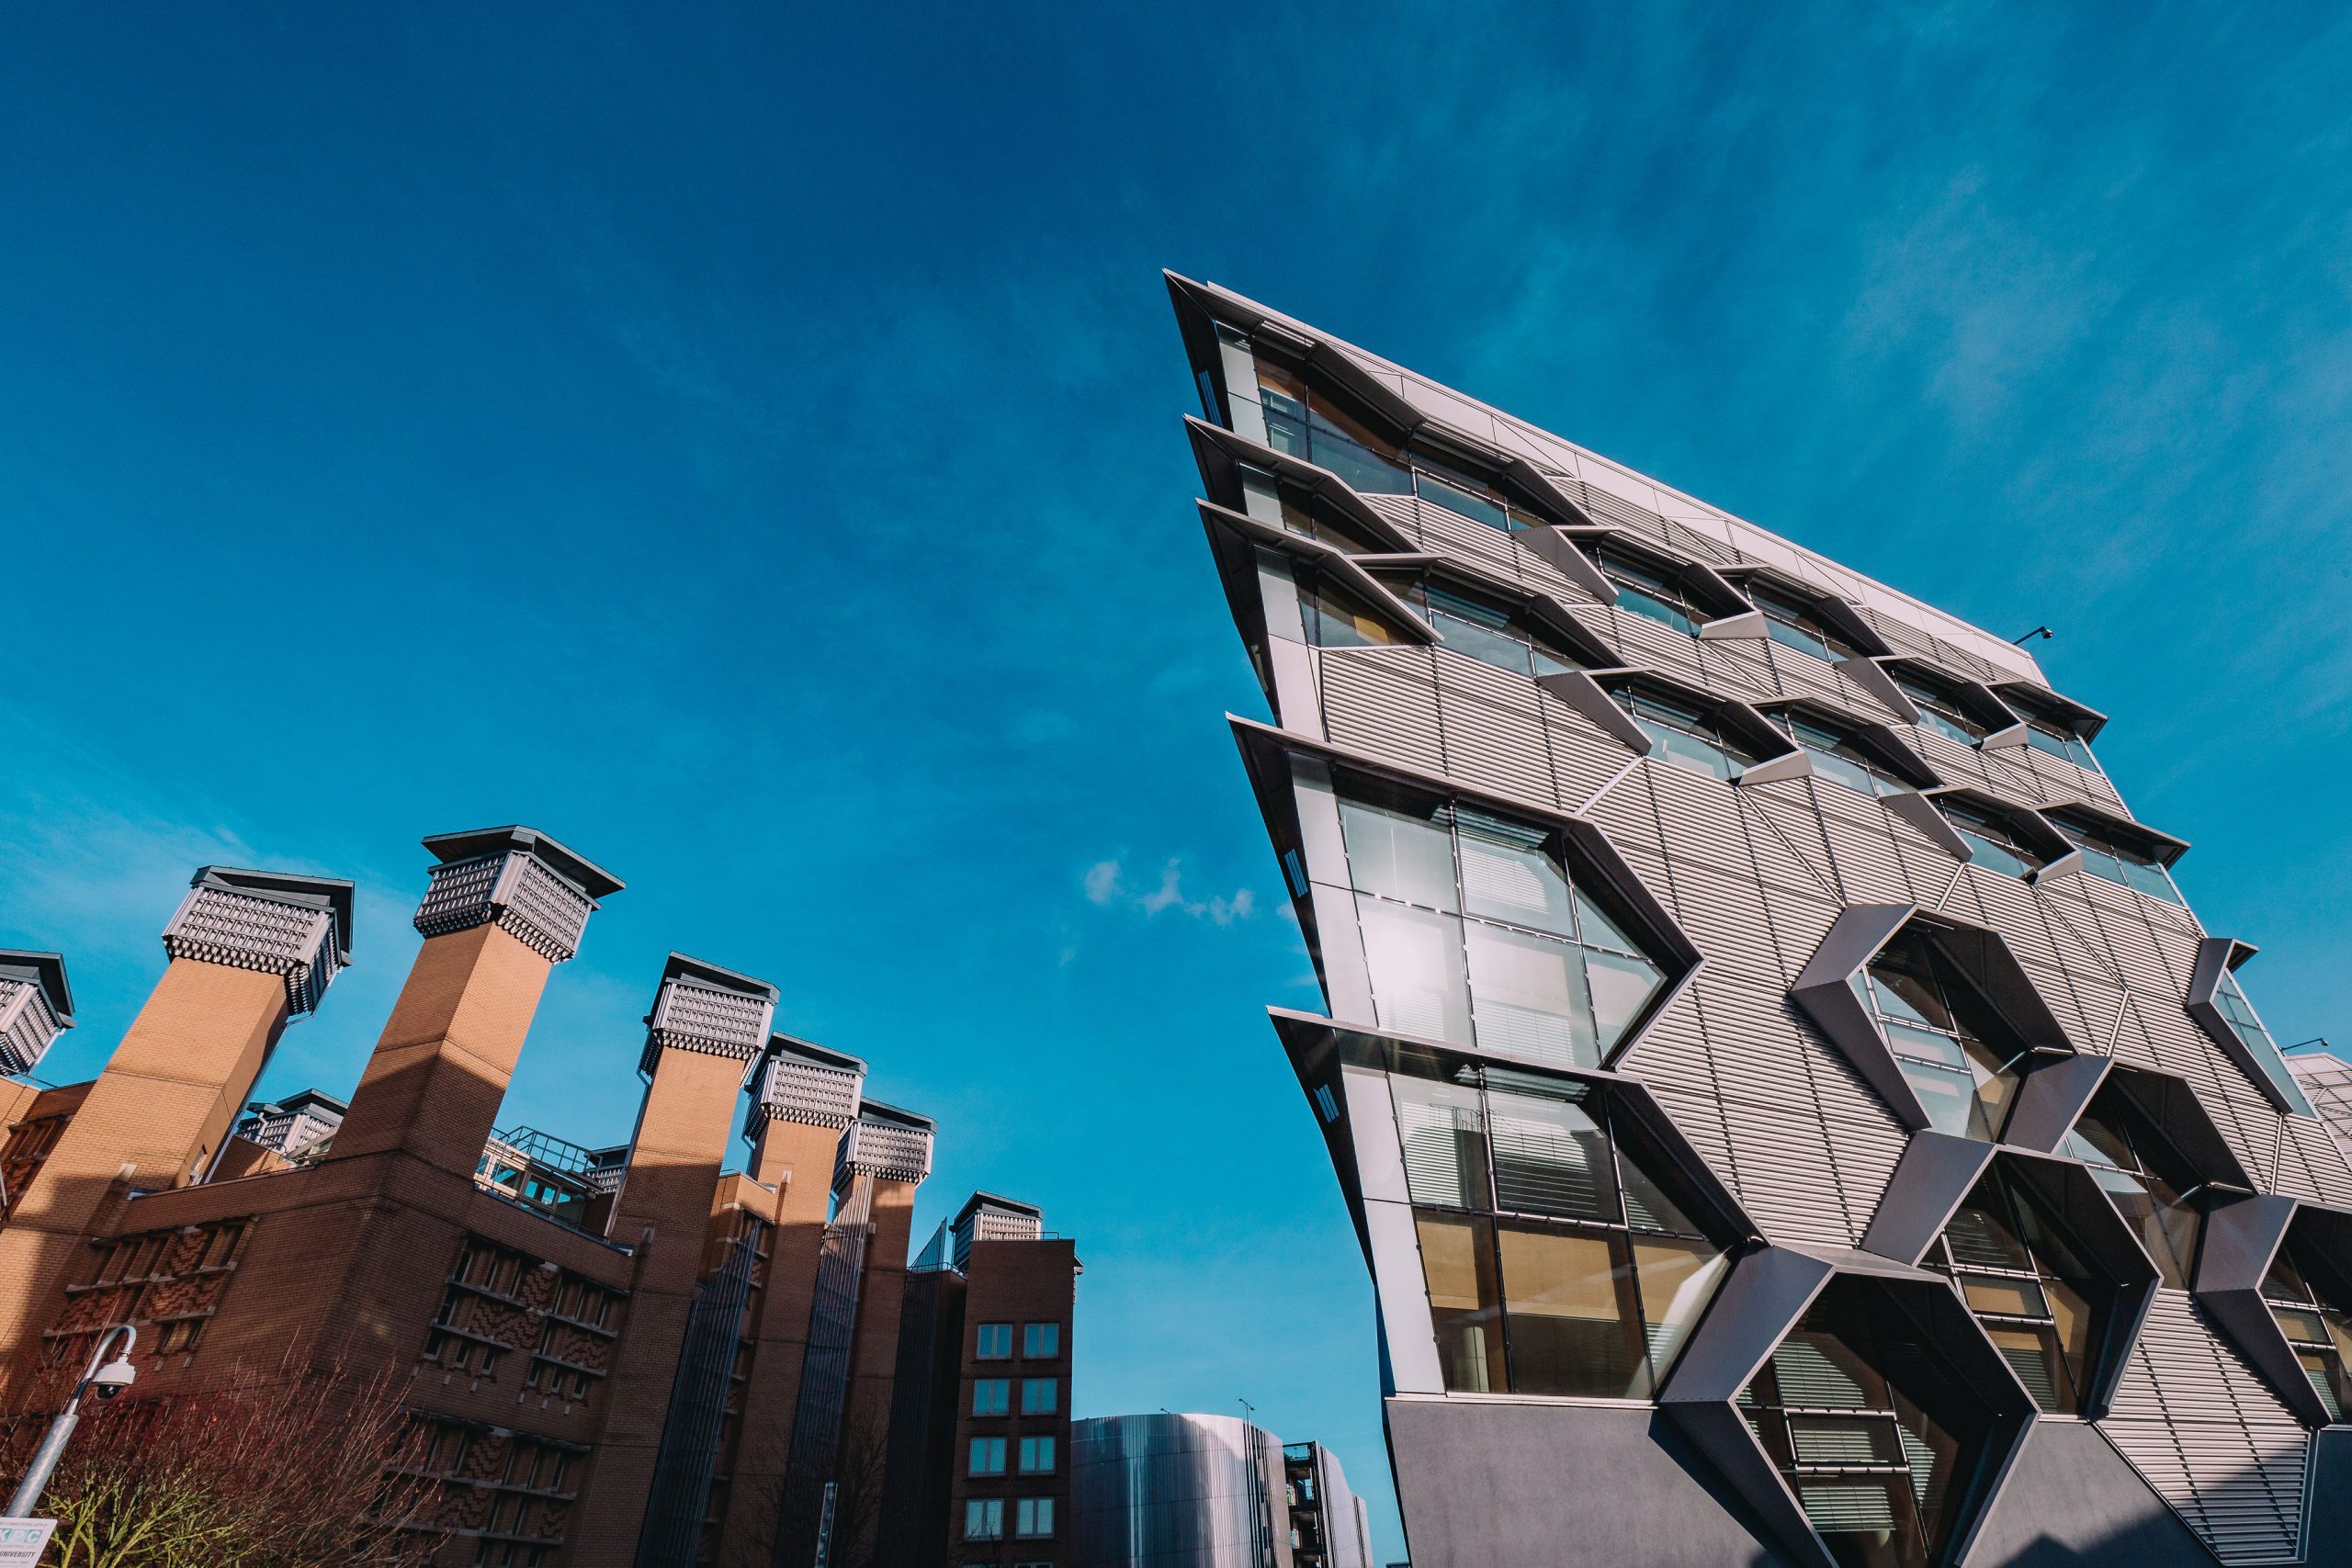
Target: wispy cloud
(1107,885)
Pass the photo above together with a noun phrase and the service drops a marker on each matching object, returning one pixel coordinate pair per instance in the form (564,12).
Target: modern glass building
(1790,1113)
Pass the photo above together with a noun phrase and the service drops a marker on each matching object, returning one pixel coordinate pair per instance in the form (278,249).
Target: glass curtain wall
(2041,1303)
(1558,1263)
(1645,591)
(2230,1000)
(1474,931)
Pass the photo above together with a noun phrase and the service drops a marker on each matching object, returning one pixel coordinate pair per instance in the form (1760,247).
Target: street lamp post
(111,1379)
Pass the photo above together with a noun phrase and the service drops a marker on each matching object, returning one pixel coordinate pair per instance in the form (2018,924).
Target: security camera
(113,1377)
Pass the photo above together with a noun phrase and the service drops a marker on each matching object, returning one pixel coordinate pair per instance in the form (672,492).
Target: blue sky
(744,444)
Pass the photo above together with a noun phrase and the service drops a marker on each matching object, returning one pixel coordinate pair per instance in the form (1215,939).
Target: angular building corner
(1789,1112)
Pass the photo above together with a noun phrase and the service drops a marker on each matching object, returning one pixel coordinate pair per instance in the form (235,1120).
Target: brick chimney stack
(250,950)
(505,907)
(706,1027)
(803,1101)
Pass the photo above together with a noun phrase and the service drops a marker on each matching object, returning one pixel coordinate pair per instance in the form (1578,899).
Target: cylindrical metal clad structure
(1176,1492)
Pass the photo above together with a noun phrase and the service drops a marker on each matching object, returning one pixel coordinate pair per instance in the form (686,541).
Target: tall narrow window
(1957,1054)
(2230,1000)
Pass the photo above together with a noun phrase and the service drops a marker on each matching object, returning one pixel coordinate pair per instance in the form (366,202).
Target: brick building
(979,1467)
(623,1356)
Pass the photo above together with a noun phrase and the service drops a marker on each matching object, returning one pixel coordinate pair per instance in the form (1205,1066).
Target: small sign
(23,1540)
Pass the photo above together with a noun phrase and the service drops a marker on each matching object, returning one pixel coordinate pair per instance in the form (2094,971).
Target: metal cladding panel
(1401,510)
(2214,1443)
(1739,666)
(1493,730)
(1954,762)
(1783,862)
(1491,548)
(2317,1161)
(1584,757)
(1384,701)
(1168,1491)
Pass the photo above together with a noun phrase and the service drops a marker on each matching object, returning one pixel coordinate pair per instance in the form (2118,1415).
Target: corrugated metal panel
(1455,536)
(1401,510)
(1787,842)
(1701,818)
(1493,730)
(2330,1176)
(1583,757)
(1384,699)
(1863,848)
(2211,1440)
(1740,667)
(1640,640)
(1954,762)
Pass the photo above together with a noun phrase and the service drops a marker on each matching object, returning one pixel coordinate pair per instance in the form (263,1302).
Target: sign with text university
(23,1540)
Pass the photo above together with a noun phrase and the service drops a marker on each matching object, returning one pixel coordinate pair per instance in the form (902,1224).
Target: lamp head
(113,1377)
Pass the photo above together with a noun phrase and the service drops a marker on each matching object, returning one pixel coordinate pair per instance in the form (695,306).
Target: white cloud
(1107,885)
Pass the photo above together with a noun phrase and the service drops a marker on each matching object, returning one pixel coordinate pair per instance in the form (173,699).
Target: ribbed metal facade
(1167,1491)
(1755,871)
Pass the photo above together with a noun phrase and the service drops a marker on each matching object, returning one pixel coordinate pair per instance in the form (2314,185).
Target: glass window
(2150,1184)
(988,1457)
(1400,850)
(1419,983)
(1509,874)
(1442,1127)
(1460,501)
(1036,1456)
(1835,756)
(1034,1518)
(2057,741)
(1551,1158)
(1644,591)
(1040,1396)
(1872,1462)
(994,1341)
(1569,1314)
(1336,618)
(2230,999)
(984,1518)
(1458,1263)
(1953,1047)
(1683,735)
(1592,1289)
(1792,624)
(1539,971)
(1995,844)
(991,1396)
(2026,1280)
(1940,709)
(1490,634)
(1041,1340)
(2319,1332)
(2106,857)
(1528,996)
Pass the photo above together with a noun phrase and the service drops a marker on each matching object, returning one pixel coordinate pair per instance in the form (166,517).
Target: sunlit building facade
(1790,1113)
